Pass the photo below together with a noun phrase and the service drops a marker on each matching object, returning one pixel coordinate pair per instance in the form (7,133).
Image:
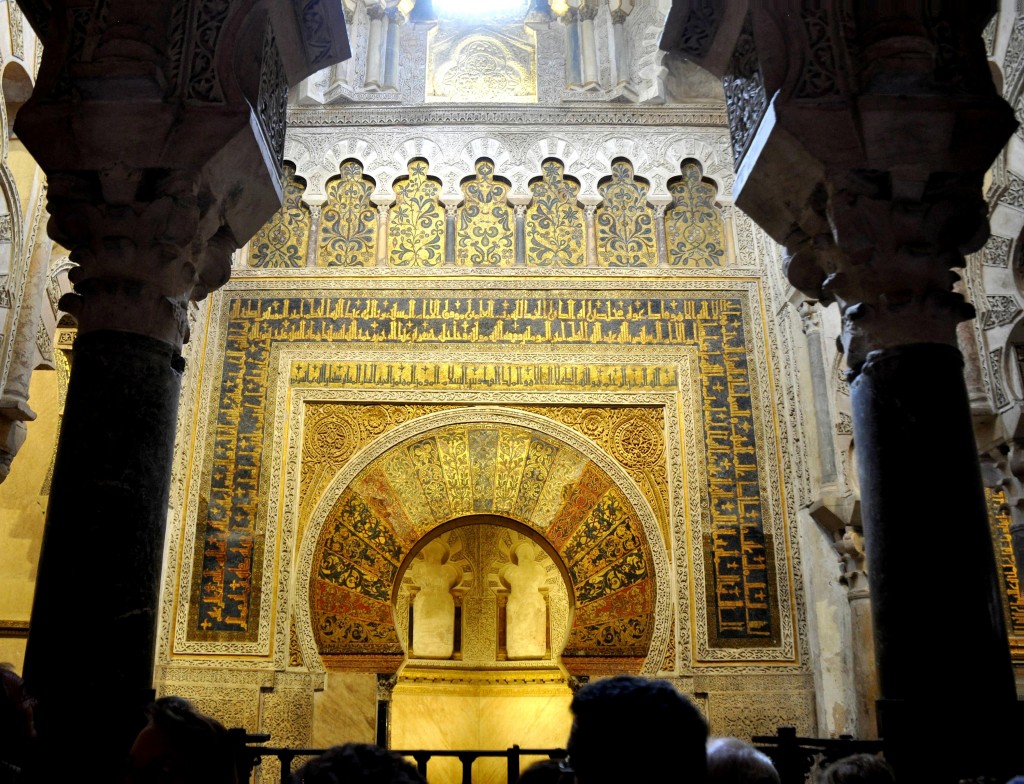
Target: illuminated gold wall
(435,341)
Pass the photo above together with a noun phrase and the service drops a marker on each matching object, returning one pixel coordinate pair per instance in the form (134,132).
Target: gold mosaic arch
(445,466)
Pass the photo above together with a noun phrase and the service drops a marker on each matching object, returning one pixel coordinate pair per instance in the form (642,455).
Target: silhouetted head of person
(733,761)
(858,769)
(358,763)
(180,745)
(628,728)
(17,719)
(547,771)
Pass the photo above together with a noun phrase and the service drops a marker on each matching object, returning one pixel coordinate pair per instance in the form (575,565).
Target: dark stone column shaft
(931,567)
(89,659)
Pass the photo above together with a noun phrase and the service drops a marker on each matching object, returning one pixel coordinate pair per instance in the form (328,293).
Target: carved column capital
(861,138)
(588,11)
(146,242)
(152,204)
(810,316)
(850,546)
(885,255)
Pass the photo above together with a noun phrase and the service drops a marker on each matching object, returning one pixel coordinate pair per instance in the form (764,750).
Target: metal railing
(793,755)
(253,755)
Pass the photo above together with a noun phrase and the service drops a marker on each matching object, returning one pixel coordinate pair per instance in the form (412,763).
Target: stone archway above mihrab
(453,464)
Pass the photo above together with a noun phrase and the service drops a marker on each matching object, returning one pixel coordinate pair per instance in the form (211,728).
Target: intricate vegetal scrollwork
(416,221)
(273,96)
(745,98)
(203,84)
(317,33)
(625,221)
(17,31)
(698,31)
(996,252)
(693,224)
(554,221)
(283,241)
(819,76)
(999,310)
(995,369)
(484,237)
(348,225)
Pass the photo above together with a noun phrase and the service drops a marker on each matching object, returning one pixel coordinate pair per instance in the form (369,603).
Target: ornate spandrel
(485,227)
(555,234)
(348,226)
(625,221)
(693,224)
(416,221)
(284,240)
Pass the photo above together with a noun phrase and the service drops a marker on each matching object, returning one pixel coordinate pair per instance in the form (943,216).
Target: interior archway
(483,608)
(523,467)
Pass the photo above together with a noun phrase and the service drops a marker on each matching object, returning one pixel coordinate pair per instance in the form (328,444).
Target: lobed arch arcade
(488,212)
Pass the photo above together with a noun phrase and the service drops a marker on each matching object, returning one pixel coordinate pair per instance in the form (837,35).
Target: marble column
(588,44)
(869,171)
(520,213)
(589,219)
(660,237)
(383,214)
(392,49)
(451,217)
(620,47)
(574,67)
(865,677)
(839,516)
(313,246)
(375,43)
(920,482)
(156,174)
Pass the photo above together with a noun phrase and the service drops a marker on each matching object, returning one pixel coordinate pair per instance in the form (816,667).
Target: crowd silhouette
(624,729)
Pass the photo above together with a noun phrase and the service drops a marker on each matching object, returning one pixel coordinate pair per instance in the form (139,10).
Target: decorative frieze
(361,116)
(844,425)
(995,369)
(999,310)
(17,30)
(996,252)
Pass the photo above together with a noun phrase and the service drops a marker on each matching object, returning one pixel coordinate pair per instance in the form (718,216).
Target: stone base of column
(89,658)
(948,701)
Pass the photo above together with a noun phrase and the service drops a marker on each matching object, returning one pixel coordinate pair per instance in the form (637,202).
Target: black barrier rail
(286,756)
(793,756)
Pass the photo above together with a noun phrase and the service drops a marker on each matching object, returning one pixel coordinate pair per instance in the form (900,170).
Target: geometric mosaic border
(695,650)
